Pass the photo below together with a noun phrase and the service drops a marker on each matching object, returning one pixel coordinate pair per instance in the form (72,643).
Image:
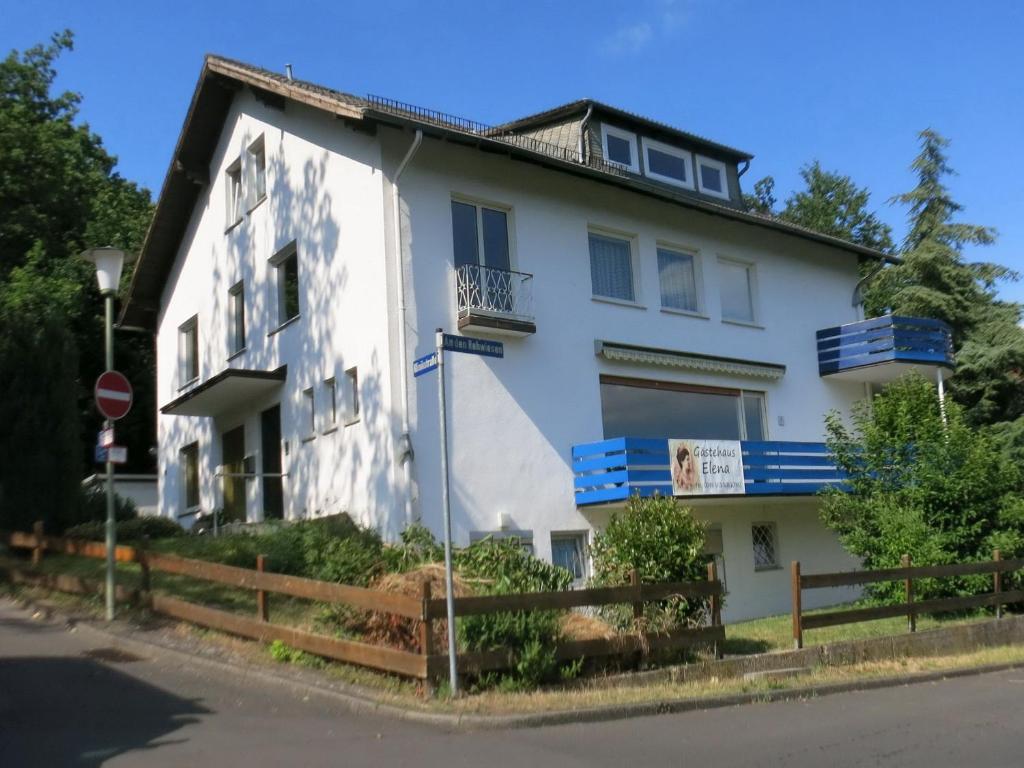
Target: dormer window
(620,148)
(711,177)
(669,164)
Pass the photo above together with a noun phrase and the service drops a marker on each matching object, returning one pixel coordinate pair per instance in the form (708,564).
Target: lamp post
(109,262)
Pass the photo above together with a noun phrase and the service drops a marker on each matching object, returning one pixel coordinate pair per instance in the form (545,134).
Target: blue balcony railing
(889,339)
(613,470)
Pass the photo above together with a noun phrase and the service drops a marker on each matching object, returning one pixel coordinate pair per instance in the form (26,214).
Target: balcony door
(233,461)
(483,260)
(659,409)
(270,453)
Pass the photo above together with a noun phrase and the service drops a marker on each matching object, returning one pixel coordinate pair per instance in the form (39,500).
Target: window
(677,274)
(766,548)
(664,162)
(189,456)
(620,148)
(711,178)
(236,319)
(480,235)
(233,192)
(736,286)
(568,550)
(611,267)
(258,160)
(352,381)
(287,266)
(188,350)
(331,397)
(659,409)
(309,406)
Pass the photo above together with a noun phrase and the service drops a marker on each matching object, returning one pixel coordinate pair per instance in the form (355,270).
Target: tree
(60,193)
(763,199)
(942,493)
(934,280)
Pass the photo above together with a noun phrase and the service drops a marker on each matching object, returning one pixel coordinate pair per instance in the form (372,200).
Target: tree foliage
(59,193)
(943,494)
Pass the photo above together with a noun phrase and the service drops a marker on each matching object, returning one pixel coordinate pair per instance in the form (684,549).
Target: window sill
(256,205)
(188,384)
(284,325)
(685,313)
(618,302)
(765,568)
(308,439)
(330,430)
(189,512)
(233,225)
(743,323)
(237,353)
(351,422)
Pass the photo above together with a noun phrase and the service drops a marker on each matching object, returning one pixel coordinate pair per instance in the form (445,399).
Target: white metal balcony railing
(497,292)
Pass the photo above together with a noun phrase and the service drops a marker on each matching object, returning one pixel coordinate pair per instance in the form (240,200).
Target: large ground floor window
(660,409)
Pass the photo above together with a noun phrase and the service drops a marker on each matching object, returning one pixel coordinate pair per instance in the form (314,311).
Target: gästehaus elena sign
(705,467)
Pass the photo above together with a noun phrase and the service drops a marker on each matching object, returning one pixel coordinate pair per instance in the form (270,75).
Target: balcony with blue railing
(884,348)
(612,470)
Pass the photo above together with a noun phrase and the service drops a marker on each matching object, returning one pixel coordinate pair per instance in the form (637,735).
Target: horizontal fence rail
(423,609)
(887,339)
(613,470)
(910,608)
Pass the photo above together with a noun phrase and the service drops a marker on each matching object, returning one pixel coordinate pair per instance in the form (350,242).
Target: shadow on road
(77,711)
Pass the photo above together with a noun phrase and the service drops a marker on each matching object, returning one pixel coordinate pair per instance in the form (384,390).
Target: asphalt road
(65,700)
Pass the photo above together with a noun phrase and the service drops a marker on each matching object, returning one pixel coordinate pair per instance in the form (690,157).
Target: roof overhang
(226,392)
(628,353)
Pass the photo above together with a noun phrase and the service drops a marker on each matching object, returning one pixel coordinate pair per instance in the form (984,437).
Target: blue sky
(847,83)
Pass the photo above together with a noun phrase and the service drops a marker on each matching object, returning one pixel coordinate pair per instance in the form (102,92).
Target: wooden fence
(910,608)
(429,662)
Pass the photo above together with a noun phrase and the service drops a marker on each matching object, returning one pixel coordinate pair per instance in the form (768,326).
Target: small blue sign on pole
(473,346)
(100,454)
(424,365)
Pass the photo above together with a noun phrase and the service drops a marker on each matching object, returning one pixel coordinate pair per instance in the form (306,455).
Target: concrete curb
(362,701)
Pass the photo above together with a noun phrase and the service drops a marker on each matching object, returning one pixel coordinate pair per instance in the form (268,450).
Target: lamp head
(109,262)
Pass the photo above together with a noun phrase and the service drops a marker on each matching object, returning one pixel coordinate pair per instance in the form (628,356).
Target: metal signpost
(420,367)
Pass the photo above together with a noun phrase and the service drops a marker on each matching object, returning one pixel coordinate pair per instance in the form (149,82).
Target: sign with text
(424,365)
(473,346)
(705,467)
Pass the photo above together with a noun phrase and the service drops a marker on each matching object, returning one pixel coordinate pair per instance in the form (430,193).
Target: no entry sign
(113,395)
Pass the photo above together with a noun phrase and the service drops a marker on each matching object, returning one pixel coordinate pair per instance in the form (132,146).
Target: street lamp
(109,262)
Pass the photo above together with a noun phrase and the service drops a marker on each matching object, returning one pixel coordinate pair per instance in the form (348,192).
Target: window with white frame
(480,235)
(352,395)
(233,192)
(309,409)
(620,147)
(286,265)
(258,163)
(189,457)
(611,267)
(188,350)
(669,164)
(331,400)
(711,178)
(736,284)
(766,546)
(236,318)
(569,551)
(680,284)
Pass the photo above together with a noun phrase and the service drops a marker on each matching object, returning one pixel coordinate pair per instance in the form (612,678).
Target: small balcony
(496,301)
(882,349)
(610,471)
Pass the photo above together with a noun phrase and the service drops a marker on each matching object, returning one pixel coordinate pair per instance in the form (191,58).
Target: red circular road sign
(113,395)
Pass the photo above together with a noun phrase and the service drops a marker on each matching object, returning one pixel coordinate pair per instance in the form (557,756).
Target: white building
(307,244)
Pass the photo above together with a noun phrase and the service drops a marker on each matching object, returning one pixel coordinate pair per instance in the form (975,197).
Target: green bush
(127,530)
(663,541)
(942,493)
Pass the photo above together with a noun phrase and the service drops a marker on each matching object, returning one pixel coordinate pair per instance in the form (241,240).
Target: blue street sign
(99,454)
(473,346)
(424,365)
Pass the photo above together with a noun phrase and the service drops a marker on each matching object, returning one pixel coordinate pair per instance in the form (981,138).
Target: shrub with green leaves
(132,530)
(664,542)
(940,493)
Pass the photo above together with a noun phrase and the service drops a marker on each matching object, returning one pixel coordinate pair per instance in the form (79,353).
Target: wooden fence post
(426,631)
(908,588)
(638,603)
(37,550)
(142,553)
(716,605)
(997,582)
(798,627)
(262,611)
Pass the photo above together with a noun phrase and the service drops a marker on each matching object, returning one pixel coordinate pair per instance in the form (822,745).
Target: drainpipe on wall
(584,125)
(405,453)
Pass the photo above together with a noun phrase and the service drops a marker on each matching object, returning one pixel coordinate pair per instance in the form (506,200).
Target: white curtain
(611,267)
(678,281)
